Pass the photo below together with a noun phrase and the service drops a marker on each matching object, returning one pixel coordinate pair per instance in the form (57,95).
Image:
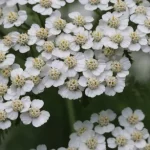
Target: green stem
(71,114)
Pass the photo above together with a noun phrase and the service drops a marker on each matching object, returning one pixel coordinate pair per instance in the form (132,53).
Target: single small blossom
(35,115)
(104,119)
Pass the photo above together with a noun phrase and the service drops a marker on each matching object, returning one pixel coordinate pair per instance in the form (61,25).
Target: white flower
(3,88)
(93,85)
(38,35)
(35,115)
(40,147)
(34,65)
(20,84)
(108,53)
(71,89)
(146,48)
(95,4)
(8,3)
(130,118)
(16,106)
(6,59)
(46,49)
(91,140)
(120,6)
(8,41)
(116,38)
(120,67)
(81,21)
(82,39)
(114,84)
(69,1)
(98,36)
(5,123)
(74,64)
(122,140)
(45,7)
(23,42)
(104,119)
(114,20)
(93,66)
(56,24)
(55,75)
(138,136)
(138,39)
(80,128)
(147,147)
(13,17)
(144,25)
(63,45)
(139,14)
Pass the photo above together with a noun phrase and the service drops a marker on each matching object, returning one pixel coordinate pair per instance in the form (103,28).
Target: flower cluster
(28,111)
(129,134)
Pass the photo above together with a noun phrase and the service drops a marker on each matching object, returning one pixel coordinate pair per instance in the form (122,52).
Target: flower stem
(71,114)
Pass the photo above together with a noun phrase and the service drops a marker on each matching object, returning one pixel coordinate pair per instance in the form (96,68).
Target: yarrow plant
(79,55)
(103,132)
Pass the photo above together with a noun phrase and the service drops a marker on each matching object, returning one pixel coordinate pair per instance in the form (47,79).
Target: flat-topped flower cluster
(79,55)
(128,134)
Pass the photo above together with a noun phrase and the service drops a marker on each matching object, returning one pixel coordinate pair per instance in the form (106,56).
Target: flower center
(118,38)
(147,147)
(38,63)
(23,39)
(121,141)
(133,119)
(92,64)
(137,136)
(18,80)
(70,61)
(103,120)
(111,82)
(54,74)
(46,3)
(48,46)
(72,84)
(135,37)
(2,56)
(34,112)
(81,39)
(12,17)
(147,23)
(36,79)
(7,41)
(92,143)
(17,105)
(108,52)
(3,115)
(42,33)
(79,21)
(120,6)
(116,66)
(140,10)
(97,36)
(6,72)
(81,131)
(93,83)
(63,45)
(94,2)
(3,89)
(113,22)
(60,24)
